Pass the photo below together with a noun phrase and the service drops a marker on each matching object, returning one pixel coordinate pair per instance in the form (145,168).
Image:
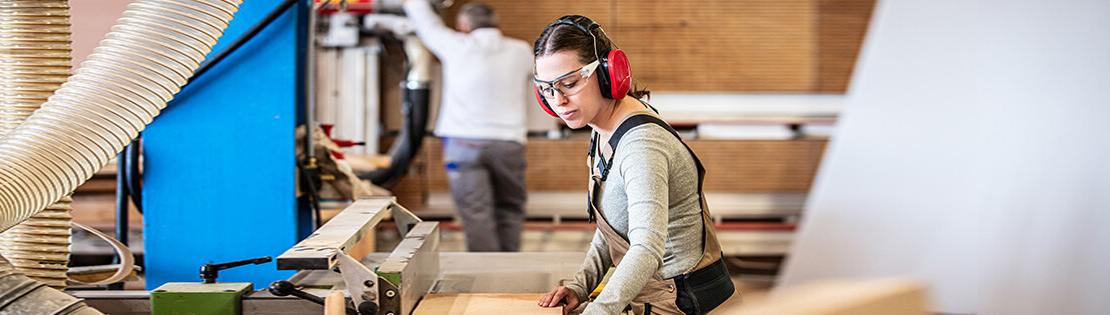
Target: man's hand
(560,295)
(396,24)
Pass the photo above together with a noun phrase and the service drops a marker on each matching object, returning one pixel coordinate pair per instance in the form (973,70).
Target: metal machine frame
(399,282)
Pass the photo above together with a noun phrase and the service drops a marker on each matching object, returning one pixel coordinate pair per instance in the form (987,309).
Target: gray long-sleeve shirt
(651,199)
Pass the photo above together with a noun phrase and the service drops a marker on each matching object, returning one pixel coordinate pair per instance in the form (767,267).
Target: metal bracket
(411,269)
(321,249)
(361,282)
(399,282)
(402,279)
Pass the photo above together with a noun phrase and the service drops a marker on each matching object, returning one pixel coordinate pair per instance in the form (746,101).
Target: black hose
(310,178)
(243,39)
(122,199)
(413,129)
(133,178)
(123,225)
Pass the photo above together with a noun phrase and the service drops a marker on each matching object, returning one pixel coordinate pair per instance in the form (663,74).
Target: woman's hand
(557,296)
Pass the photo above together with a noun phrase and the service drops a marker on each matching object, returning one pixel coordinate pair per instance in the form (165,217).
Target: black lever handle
(209,272)
(286,288)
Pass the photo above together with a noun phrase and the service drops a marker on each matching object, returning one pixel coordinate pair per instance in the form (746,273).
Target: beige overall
(658,292)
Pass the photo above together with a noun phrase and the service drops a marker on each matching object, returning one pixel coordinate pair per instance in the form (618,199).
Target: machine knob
(368,308)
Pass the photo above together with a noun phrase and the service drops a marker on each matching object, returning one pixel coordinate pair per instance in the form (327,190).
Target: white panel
(694,104)
(326,74)
(352,96)
(972,154)
(372,88)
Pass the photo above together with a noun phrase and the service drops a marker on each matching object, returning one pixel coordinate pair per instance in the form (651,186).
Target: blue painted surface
(219,181)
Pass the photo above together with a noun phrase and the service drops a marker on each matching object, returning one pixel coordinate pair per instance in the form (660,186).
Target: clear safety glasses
(567,84)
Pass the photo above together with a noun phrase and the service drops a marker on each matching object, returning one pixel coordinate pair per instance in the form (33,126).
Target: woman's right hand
(557,296)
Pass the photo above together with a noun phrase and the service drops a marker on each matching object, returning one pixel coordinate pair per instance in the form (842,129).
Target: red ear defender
(620,73)
(543,103)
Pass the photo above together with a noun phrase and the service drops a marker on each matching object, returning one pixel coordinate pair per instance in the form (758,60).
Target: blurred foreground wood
(877,297)
(483,303)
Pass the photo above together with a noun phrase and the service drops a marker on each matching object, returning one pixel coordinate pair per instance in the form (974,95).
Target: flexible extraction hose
(416,96)
(35,61)
(117,91)
(20,295)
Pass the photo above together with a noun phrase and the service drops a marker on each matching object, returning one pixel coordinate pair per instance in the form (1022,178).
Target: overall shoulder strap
(633,122)
(602,165)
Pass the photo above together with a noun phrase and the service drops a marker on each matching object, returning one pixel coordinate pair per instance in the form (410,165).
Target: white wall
(90,20)
(972,153)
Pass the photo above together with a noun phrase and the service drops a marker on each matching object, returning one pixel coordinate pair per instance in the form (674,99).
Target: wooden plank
(340,234)
(718,45)
(692,45)
(483,303)
(841,27)
(875,297)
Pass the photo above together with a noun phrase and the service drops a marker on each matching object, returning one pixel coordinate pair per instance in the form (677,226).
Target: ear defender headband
(614,73)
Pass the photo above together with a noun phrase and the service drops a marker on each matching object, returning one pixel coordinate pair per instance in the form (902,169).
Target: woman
(653,225)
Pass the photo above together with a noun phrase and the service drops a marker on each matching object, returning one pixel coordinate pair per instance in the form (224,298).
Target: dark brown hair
(562,37)
(479,14)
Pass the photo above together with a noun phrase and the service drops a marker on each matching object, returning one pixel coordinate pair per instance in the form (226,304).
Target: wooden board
(841,26)
(715,45)
(718,45)
(483,303)
(871,297)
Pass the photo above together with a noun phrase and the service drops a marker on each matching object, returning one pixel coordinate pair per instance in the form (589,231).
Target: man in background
(482,119)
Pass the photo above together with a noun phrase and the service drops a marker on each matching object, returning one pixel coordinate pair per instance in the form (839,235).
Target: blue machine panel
(220,172)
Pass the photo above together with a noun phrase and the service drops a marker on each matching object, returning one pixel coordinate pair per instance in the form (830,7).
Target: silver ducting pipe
(35,61)
(117,91)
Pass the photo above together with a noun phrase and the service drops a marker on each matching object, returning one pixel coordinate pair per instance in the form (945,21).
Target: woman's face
(579,109)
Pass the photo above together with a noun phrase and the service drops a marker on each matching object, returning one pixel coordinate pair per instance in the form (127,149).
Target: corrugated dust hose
(35,61)
(138,67)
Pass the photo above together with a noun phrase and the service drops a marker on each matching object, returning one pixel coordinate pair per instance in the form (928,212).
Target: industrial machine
(334,258)
(233,186)
(228,95)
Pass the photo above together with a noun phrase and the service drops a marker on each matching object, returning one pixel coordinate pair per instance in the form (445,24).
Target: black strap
(629,123)
(633,122)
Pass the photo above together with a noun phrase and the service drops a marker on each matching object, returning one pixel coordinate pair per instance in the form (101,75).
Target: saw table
(415,278)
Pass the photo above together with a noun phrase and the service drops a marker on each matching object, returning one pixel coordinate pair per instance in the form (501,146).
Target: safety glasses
(567,84)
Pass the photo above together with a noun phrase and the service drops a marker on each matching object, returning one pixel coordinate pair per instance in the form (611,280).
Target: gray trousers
(487,185)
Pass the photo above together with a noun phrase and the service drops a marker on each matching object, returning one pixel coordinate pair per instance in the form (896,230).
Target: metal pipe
(310,87)
(310,170)
(116,92)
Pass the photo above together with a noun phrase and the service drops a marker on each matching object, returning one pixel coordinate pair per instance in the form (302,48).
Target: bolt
(390,293)
(368,283)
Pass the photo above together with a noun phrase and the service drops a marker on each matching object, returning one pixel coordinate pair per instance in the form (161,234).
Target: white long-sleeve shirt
(487,78)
